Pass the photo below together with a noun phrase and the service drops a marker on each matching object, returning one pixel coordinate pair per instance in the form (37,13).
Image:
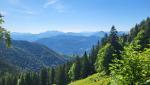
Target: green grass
(95,79)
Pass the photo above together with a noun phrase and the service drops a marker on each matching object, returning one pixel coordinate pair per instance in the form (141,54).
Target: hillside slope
(95,79)
(30,56)
(5,66)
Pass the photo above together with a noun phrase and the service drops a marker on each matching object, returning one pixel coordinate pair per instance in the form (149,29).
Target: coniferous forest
(117,59)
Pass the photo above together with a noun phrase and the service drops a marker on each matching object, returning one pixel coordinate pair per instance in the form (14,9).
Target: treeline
(80,67)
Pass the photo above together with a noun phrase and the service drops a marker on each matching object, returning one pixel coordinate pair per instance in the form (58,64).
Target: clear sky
(36,16)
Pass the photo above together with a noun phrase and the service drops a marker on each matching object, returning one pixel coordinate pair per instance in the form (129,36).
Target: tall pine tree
(85,71)
(109,52)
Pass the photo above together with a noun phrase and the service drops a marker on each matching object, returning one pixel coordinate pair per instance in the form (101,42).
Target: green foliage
(5,37)
(113,37)
(93,57)
(144,25)
(107,52)
(75,70)
(131,65)
(1,20)
(95,79)
(133,69)
(142,39)
(102,64)
(72,72)
(4,34)
(85,66)
(133,32)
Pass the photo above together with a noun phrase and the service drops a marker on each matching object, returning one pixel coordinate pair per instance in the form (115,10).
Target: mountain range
(64,43)
(68,44)
(47,34)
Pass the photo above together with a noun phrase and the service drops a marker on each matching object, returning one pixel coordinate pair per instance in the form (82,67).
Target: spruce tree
(85,71)
(109,52)
(114,41)
(78,68)
(61,76)
(44,76)
(92,59)
(104,39)
(52,75)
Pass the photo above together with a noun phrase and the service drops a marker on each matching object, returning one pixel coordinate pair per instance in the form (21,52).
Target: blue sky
(36,16)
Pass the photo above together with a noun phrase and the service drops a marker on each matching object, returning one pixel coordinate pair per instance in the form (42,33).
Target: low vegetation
(95,79)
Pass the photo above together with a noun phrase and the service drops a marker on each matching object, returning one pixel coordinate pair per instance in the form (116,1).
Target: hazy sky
(72,15)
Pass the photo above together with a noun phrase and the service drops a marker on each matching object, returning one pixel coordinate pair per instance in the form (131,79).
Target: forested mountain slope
(31,56)
(6,66)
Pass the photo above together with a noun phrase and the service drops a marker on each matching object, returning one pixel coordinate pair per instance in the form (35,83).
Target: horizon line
(63,31)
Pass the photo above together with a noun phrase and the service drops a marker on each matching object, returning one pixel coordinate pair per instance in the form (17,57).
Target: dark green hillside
(28,55)
(5,66)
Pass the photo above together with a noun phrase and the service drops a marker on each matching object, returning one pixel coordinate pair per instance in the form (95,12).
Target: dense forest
(119,59)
